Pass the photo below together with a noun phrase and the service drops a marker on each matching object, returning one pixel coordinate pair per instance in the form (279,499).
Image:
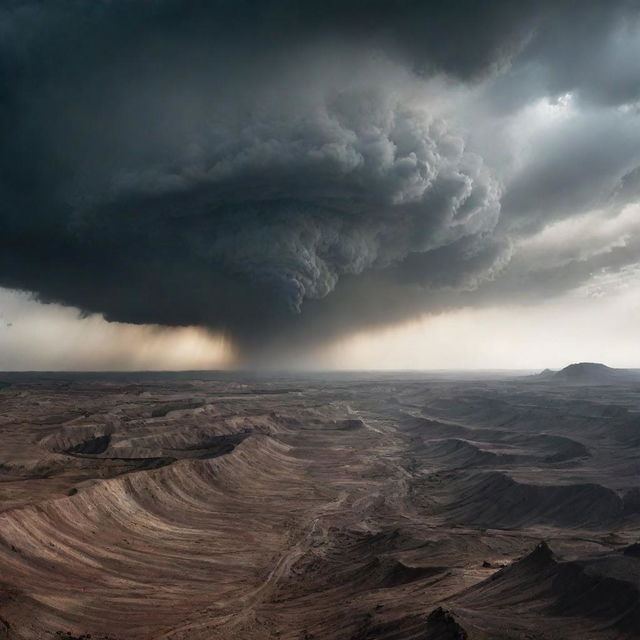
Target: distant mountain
(589,373)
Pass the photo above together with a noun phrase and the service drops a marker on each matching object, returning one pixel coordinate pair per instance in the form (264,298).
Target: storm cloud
(283,171)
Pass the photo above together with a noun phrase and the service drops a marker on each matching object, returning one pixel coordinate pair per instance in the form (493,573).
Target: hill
(590,373)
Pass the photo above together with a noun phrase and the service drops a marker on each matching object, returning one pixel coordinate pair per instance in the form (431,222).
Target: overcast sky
(322,184)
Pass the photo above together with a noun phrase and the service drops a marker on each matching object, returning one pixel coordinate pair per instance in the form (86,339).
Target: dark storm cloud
(588,48)
(574,167)
(274,167)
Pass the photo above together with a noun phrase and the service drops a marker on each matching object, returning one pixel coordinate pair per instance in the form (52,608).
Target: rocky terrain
(346,507)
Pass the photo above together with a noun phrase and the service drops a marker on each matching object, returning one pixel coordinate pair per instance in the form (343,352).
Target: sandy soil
(351,507)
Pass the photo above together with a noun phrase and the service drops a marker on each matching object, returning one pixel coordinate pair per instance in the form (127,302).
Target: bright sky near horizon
(577,328)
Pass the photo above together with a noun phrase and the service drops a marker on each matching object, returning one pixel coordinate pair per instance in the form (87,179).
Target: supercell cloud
(291,171)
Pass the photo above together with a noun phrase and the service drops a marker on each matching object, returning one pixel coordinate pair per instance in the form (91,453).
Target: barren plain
(319,507)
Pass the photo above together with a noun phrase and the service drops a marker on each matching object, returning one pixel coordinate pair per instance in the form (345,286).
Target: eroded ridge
(345,507)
